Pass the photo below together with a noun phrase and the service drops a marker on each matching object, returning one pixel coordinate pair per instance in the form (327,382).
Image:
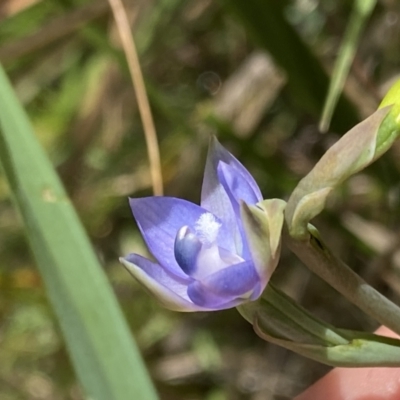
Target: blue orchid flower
(214,256)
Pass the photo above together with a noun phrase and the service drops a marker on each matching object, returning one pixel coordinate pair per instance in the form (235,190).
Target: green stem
(320,260)
(284,319)
(304,319)
(278,319)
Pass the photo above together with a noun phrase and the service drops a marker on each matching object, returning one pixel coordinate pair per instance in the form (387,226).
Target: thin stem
(294,311)
(132,58)
(278,319)
(320,260)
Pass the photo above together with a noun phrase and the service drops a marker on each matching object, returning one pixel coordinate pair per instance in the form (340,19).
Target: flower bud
(358,148)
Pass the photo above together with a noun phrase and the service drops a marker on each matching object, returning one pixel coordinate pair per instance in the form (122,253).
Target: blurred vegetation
(254,73)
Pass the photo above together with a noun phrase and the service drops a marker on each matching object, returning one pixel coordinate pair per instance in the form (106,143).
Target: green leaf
(102,349)
(362,9)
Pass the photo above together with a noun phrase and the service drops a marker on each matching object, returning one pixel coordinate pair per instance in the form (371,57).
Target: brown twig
(129,47)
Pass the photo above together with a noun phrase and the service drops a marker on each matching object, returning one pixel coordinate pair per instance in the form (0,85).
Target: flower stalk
(315,254)
(276,318)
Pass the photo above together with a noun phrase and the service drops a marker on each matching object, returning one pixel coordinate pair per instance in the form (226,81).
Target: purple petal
(159,220)
(169,290)
(214,197)
(236,280)
(232,285)
(238,190)
(237,185)
(218,153)
(202,297)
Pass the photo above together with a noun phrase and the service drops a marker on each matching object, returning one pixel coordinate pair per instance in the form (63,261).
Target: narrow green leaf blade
(103,352)
(362,9)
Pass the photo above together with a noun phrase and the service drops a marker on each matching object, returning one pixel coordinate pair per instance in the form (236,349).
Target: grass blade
(361,12)
(102,350)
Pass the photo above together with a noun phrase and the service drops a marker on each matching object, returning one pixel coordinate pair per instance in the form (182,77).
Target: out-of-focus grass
(80,100)
(359,17)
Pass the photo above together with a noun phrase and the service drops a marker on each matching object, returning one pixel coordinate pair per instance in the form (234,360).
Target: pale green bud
(354,151)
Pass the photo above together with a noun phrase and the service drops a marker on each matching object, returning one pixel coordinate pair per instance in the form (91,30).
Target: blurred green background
(255,74)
